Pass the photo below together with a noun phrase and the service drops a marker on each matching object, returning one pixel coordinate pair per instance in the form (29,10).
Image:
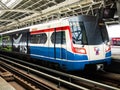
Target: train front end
(90,42)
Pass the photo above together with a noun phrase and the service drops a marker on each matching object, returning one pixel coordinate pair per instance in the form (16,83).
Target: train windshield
(96,33)
(78,32)
(88,32)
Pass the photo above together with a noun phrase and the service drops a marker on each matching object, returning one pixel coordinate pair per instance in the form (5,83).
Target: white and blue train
(71,42)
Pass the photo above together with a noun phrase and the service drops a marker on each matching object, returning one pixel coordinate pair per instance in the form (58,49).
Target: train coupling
(100,66)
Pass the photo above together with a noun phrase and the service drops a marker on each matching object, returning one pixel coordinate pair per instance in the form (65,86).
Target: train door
(58,41)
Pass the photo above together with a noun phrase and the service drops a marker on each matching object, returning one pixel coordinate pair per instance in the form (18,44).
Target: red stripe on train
(50,30)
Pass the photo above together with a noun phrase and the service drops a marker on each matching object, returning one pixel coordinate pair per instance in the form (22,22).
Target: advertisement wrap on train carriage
(20,42)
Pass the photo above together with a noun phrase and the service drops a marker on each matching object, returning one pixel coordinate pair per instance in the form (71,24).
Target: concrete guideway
(5,86)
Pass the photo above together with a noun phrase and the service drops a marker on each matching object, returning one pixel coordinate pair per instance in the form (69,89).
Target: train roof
(54,23)
(41,25)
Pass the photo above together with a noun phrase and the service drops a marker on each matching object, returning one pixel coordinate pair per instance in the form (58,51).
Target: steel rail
(8,76)
(46,75)
(74,77)
(25,75)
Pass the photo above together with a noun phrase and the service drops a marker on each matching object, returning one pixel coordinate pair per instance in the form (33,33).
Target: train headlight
(108,48)
(80,50)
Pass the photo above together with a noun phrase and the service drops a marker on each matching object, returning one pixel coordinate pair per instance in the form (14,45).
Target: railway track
(10,78)
(74,82)
(109,78)
(27,81)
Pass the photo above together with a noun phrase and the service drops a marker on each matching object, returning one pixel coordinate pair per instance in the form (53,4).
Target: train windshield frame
(88,31)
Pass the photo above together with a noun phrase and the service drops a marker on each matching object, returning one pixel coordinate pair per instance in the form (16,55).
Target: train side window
(38,39)
(59,38)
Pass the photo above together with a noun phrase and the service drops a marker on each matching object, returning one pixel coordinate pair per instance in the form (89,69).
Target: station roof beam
(28,12)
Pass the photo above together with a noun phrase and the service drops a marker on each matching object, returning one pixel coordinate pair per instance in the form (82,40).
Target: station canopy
(21,13)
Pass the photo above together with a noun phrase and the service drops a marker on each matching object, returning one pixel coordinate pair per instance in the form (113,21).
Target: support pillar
(118,9)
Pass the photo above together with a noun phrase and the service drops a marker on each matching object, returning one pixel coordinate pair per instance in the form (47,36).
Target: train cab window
(58,37)
(38,39)
(78,32)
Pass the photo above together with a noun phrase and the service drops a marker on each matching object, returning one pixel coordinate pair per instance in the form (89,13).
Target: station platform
(116,57)
(5,85)
(115,50)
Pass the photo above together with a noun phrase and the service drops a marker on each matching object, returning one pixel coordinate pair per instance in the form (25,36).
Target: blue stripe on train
(108,54)
(60,53)
(67,60)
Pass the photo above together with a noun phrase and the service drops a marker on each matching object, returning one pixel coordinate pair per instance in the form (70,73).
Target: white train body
(72,43)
